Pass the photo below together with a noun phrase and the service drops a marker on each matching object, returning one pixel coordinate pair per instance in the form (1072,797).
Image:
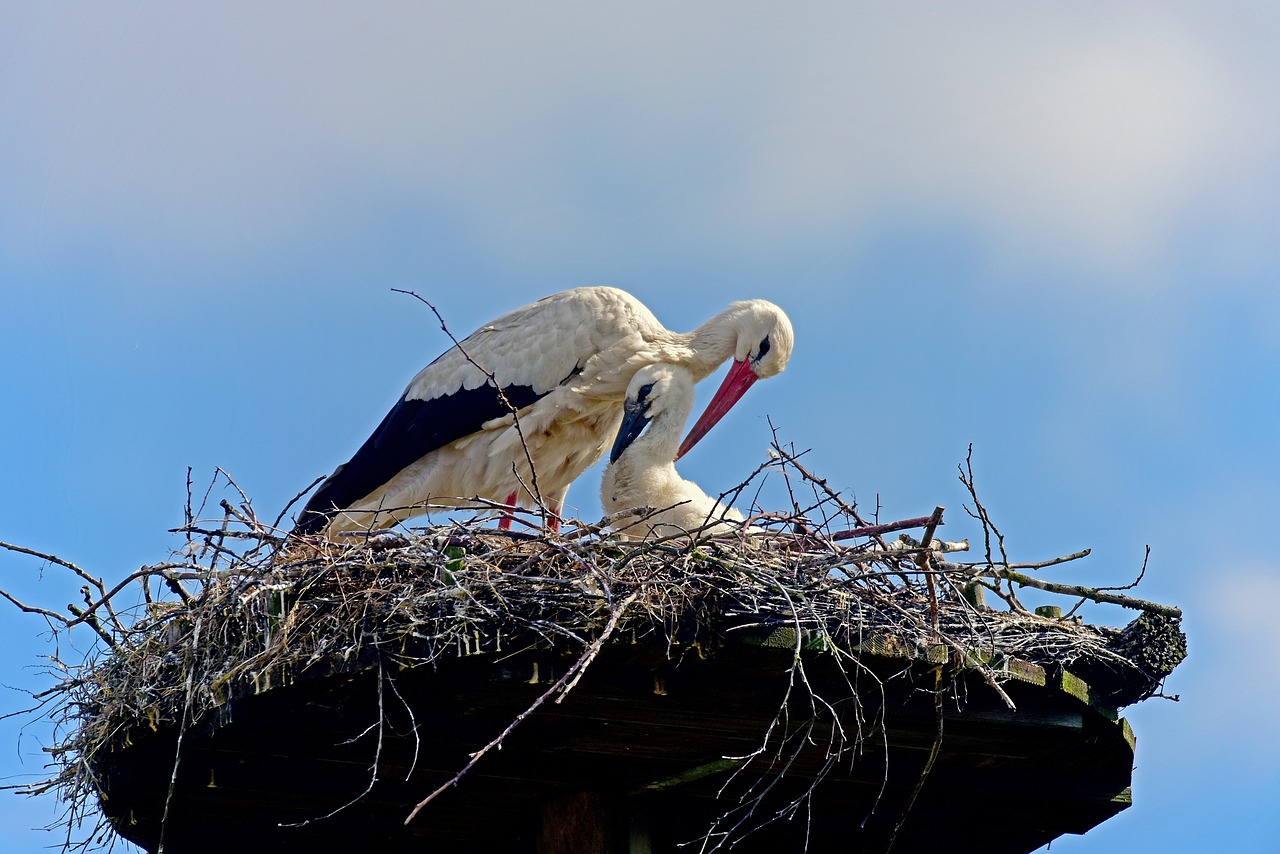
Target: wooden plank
(719,766)
(299,753)
(580,823)
(1076,687)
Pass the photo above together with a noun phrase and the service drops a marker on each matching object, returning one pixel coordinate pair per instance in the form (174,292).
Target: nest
(247,611)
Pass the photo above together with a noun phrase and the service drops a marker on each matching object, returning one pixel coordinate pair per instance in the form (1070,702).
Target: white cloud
(1091,136)
(1066,140)
(1238,692)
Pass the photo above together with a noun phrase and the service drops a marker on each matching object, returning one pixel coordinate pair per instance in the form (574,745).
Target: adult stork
(642,472)
(543,384)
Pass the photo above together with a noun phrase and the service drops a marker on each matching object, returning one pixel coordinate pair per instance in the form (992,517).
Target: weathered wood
(1081,690)
(974,594)
(616,762)
(581,823)
(719,766)
(1093,594)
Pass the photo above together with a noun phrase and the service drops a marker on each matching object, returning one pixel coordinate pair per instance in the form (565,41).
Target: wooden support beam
(581,823)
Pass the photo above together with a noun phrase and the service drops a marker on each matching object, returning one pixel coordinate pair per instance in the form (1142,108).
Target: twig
(373,773)
(1093,594)
(980,512)
(928,765)
(292,501)
(1059,560)
(502,395)
(821,483)
(255,536)
(581,664)
(56,560)
(886,528)
(1141,573)
(182,731)
(93,623)
(923,561)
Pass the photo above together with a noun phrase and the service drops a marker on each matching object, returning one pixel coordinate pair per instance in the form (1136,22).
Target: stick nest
(245,612)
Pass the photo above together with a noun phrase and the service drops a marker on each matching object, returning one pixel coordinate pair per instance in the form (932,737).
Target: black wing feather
(411,430)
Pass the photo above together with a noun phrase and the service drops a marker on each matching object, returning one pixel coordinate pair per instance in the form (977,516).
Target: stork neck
(712,344)
(656,448)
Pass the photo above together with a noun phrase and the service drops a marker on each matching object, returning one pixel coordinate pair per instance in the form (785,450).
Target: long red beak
(735,385)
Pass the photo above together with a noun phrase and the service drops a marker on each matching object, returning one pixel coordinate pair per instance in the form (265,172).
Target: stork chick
(642,472)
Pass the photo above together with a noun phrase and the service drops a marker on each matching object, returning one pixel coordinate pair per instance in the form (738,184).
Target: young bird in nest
(642,472)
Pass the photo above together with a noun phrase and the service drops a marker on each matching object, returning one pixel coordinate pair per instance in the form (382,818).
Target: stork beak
(735,385)
(634,420)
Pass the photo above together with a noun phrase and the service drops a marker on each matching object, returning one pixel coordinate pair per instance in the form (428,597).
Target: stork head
(762,341)
(655,391)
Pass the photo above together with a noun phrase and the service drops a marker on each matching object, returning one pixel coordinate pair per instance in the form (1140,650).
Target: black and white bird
(641,475)
(563,364)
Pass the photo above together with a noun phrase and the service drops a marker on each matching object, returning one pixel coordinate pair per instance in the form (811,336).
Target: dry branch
(532,488)
(252,613)
(1093,594)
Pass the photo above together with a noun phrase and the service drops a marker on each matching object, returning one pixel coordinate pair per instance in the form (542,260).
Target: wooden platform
(633,760)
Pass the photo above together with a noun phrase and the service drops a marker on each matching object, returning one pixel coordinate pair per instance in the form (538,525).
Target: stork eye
(644,392)
(764,348)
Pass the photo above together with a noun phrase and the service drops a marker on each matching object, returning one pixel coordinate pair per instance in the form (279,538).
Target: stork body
(642,473)
(563,364)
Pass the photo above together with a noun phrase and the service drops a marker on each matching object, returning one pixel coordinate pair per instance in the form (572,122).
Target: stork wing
(411,430)
(528,352)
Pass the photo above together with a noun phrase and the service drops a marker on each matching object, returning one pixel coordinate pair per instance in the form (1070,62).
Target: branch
(57,560)
(981,514)
(292,501)
(1132,584)
(32,609)
(886,528)
(104,598)
(515,415)
(924,561)
(820,482)
(1064,559)
(257,536)
(1092,593)
(562,683)
(94,623)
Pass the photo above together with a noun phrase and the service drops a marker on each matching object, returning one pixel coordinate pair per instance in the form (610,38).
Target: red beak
(735,385)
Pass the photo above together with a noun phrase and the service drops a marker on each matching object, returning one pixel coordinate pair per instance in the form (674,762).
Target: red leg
(555,504)
(504,523)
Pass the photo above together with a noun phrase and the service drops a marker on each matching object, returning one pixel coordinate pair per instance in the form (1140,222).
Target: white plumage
(564,364)
(642,472)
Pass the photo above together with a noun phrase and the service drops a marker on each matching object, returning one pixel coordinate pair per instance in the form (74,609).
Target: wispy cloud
(1093,136)
(1238,692)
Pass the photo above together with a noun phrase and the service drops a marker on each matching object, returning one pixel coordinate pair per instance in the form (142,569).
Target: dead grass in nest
(237,614)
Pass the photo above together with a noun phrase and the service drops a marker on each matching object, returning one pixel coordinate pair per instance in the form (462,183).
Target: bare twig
(379,725)
(502,396)
(820,482)
(980,512)
(563,684)
(33,609)
(1141,573)
(886,528)
(93,623)
(96,582)
(923,561)
(292,501)
(1093,594)
(238,610)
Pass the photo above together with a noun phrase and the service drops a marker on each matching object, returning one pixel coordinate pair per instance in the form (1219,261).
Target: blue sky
(1049,232)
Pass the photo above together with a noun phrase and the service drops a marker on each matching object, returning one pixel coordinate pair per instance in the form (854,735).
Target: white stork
(642,472)
(563,363)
